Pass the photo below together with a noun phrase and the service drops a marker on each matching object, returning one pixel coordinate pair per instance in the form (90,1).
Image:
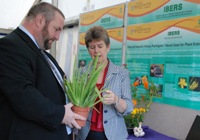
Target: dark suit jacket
(31,99)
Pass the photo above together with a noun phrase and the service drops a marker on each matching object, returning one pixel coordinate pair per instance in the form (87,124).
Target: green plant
(82,90)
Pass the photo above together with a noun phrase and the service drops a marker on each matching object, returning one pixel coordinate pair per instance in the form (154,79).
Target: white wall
(170,120)
(67,49)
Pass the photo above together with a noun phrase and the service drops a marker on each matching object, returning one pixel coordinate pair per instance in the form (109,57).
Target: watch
(117,102)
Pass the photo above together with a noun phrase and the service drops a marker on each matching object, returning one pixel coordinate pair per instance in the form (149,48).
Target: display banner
(115,53)
(110,17)
(168,53)
(116,43)
(143,11)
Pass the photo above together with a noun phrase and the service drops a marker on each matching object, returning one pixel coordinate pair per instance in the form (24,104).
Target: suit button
(48,123)
(105,122)
(105,111)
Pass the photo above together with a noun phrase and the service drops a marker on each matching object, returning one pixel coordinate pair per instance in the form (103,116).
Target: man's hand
(70,116)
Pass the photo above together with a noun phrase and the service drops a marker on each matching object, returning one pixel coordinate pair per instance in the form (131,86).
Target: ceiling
(12,12)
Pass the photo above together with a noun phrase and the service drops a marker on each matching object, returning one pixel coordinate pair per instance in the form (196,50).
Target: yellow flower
(194,85)
(134,111)
(182,83)
(144,79)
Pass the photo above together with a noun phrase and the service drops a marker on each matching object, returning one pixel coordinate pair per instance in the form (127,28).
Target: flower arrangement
(142,100)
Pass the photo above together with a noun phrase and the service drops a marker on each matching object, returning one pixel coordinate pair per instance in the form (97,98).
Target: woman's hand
(109,98)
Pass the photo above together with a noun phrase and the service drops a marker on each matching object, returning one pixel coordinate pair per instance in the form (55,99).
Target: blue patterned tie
(59,79)
(54,69)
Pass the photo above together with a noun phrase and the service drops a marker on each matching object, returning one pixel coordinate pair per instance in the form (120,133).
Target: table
(150,134)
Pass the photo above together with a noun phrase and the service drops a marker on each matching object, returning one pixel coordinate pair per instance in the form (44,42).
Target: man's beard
(45,38)
(46,44)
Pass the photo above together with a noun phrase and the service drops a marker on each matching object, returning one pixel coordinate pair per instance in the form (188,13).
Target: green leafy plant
(82,90)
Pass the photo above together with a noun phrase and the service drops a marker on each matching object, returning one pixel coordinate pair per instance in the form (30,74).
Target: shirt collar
(29,34)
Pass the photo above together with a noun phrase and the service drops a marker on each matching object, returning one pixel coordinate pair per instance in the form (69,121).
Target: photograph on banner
(82,63)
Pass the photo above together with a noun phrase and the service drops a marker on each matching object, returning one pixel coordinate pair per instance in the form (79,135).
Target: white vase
(138,131)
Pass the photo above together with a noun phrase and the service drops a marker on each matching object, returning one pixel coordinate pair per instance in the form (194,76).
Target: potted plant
(81,90)
(142,100)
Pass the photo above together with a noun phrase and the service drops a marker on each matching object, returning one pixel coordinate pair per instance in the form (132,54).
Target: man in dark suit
(32,101)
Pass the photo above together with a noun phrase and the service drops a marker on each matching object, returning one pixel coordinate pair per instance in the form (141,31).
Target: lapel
(33,46)
(112,71)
